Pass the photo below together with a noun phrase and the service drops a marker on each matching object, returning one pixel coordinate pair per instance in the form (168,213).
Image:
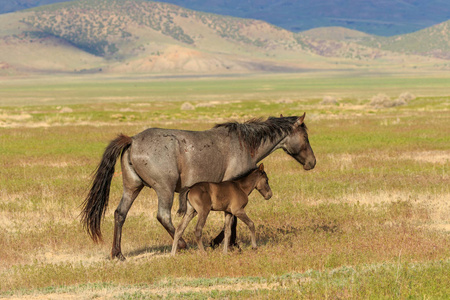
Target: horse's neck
(267,148)
(248,183)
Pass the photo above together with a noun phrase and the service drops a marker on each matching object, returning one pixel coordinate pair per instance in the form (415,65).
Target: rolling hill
(433,41)
(137,36)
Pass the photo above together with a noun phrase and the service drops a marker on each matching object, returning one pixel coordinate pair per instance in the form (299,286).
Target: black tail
(94,206)
(182,198)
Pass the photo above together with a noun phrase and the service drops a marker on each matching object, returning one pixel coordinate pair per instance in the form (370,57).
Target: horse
(230,197)
(169,160)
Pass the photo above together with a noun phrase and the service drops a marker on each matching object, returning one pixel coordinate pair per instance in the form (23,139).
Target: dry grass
(375,206)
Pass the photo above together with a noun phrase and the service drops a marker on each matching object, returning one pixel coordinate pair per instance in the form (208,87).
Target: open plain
(372,220)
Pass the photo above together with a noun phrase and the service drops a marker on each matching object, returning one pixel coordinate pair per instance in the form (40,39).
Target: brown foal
(228,196)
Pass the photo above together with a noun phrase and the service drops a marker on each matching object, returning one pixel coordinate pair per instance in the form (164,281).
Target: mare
(169,160)
(230,197)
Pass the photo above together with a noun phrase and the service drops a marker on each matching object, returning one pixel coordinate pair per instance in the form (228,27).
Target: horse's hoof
(213,245)
(119,256)
(235,247)
(182,245)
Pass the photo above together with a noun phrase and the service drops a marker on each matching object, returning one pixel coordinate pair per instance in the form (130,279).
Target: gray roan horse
(170,160)
(229,196)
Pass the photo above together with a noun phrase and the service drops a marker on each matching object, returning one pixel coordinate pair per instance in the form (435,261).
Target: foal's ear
(300,120)
(261,167)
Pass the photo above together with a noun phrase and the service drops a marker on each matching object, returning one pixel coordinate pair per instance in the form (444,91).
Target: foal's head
(262,182)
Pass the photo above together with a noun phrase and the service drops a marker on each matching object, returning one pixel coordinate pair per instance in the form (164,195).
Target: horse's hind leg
(190,214)
(132,185)
(119,218)
(227,229)
(164,216)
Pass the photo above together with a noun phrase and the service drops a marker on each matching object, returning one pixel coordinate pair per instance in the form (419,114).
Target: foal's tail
(182,198)
(94,206)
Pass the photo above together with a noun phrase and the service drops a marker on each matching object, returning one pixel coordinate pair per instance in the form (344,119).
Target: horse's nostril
(310,165)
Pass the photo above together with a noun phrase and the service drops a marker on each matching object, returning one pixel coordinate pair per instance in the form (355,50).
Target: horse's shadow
(147,252)
(156,251)
(267,235)
(270,234)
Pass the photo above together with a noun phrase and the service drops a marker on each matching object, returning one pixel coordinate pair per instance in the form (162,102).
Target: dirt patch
(112,292)
(19,117)
(436,208)
(57,258)
(346,160)
(435,157)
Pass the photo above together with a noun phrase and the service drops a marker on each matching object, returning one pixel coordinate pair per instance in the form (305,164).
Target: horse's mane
(254,132)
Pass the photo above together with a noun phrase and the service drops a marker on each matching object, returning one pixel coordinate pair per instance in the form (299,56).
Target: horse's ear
(281,116)
(300,120)
(261,167)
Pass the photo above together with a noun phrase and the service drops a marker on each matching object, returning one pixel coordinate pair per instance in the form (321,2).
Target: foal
(228,196)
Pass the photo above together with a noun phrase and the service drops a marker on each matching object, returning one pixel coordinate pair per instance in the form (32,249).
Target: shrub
(187,106)
(406,96)
(329,100)
(380,100)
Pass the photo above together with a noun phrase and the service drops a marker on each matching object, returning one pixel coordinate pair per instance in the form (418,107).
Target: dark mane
(255,132)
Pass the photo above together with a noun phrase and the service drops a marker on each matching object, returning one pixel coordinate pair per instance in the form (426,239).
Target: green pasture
(88,89)
(372,220)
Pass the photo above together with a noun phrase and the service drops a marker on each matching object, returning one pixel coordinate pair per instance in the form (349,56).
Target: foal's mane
(254,132)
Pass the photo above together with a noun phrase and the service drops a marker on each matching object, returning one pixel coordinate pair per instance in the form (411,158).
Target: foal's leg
(219,238)
(190,214)
(202,216)
(228,222)
(244,218)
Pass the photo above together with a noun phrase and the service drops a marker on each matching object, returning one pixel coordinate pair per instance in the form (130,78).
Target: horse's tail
(182,198)
(94,206)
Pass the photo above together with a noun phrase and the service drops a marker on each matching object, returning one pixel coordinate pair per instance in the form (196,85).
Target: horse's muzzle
(309,165)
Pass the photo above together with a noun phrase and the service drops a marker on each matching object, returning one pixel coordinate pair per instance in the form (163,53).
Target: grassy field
(372,220)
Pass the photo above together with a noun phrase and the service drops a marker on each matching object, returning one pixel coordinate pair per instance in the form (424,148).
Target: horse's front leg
(164,216)
(120,214)
(219,238)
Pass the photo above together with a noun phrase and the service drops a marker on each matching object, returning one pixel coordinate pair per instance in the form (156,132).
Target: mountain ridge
(145,36)
(385,18)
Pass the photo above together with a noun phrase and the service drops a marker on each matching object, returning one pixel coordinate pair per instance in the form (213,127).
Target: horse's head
(262,183)
(297,145)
